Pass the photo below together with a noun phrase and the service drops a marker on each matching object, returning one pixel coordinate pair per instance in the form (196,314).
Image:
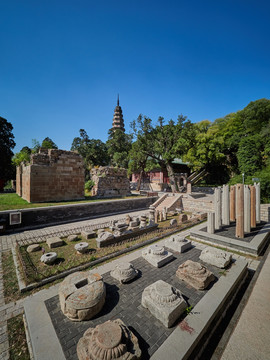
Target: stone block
(124,272)
(81,247)
(216,257)
(195,274)
(88,234)
(72,238)
(54,242)
(33,248)
(82,295)
(105,238)
(183,218)
(178,243)
(156,255)
(110,340)
(48,258)
(164,302)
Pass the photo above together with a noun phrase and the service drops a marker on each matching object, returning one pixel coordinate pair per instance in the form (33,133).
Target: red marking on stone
(185,327)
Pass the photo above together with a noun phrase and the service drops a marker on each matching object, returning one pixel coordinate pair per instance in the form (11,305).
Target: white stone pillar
(246,209)
(217,206)
(258,202)
(211,222)
(225,205)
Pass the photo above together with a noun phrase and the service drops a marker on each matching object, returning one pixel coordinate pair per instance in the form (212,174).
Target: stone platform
(253,243)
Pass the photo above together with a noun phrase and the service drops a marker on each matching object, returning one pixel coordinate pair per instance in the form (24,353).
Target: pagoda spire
(118,121)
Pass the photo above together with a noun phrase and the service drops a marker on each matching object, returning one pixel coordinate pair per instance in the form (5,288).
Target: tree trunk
(172,178)
(140,180)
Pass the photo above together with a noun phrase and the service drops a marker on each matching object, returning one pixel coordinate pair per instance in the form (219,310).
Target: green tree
(249,154)
(94,152)
(6,145)
(22,156)
(163,142)
(47,143)
(119,145)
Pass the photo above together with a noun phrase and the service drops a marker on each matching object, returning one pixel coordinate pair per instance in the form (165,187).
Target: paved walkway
(10,310)
(250,338)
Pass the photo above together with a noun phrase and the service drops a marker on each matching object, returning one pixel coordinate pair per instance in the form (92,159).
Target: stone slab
(54,242)
(88,234)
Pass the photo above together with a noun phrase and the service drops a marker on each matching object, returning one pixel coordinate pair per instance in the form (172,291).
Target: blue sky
(63,63)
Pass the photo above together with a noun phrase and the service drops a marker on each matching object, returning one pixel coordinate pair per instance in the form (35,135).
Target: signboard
(15,218)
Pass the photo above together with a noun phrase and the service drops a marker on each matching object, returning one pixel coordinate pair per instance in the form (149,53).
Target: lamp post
(243,175)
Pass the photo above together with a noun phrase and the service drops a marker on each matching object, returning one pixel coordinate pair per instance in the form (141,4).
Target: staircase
(196,176)
(168,201)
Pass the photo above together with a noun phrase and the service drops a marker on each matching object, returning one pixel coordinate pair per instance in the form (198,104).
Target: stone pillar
(252,206)
(258,202)
(152,213)
(211,222)
(225,205)
(217,205)
(164,213)
(189,188)
(239,211)
(156,216)
(246,209)
(160,217)
(232,203)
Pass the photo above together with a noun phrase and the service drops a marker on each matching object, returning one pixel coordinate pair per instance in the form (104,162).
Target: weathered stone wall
(265,212)
(202,204)
(110,182)
(53,175)
(45,216)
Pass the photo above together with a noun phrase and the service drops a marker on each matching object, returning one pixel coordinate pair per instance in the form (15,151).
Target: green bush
(264,179)
(89,185)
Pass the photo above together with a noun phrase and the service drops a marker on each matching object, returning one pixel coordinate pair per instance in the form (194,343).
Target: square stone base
(158,260)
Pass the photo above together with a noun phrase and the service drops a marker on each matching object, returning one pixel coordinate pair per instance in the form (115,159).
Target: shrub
(89,185)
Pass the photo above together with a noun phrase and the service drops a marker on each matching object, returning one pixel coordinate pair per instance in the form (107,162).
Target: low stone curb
(254,247)
(23,287)
(189,338)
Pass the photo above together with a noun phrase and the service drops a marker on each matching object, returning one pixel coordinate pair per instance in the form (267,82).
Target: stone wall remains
(110,182)
(52,175)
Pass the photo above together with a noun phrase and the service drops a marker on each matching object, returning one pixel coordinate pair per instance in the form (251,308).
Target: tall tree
(119,145)
(6,145)
(94,152)
(163,142)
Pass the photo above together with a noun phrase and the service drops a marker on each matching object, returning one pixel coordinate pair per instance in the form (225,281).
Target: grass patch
(18,348)
(12,201)
(68,258)
(11,287)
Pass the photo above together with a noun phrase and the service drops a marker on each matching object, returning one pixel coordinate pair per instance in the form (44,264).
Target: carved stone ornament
(110,340)
(49,258)
(216,257)
(164,302)
(82,295)
(195,274)
(156,255)
(178,243)
(124,272)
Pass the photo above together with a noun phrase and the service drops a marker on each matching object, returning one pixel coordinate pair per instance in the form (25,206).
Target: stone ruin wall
(110,182)
(52,175)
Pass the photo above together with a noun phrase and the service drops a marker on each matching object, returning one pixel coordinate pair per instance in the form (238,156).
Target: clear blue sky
(62,63)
